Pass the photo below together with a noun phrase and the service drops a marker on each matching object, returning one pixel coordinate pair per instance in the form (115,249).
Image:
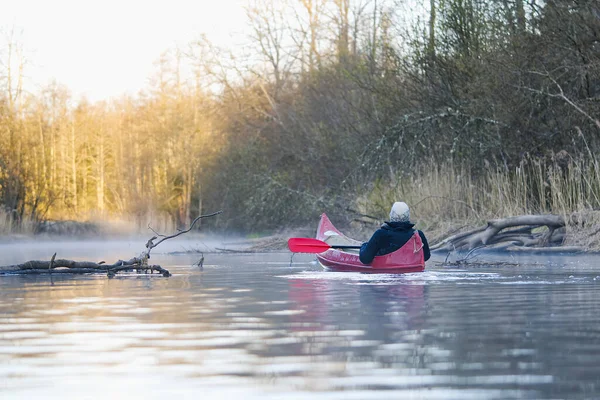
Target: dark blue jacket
(389,238)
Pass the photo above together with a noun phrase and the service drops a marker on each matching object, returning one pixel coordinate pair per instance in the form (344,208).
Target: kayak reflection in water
(392,235)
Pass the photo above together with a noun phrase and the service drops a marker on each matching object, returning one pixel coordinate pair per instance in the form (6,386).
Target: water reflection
(252,326)
(378,309)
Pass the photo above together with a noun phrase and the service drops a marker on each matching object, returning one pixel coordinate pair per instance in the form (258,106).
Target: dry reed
(438,193)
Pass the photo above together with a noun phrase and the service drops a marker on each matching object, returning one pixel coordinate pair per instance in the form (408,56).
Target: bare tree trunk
(344,29)
(520,15)
(199,202)
(63,149)
(373,62)
(73,168)
(84,186)
(19,92)
(432,17)
(137,168)
(9,77)
(42,153)
(100,177)
(188,194)
(313,54)
(53,164)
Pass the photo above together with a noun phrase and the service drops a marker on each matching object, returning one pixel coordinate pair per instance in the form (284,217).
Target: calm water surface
(254,326)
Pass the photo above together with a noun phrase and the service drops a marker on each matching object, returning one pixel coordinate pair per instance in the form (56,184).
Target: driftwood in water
(514,232)
(61,266)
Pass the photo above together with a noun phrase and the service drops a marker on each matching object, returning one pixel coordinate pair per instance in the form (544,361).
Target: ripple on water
(440,277)
(252,332)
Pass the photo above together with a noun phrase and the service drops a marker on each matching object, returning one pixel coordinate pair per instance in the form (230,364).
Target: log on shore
(509,233)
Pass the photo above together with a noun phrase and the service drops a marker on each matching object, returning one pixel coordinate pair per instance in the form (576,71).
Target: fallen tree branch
(455,238)
(150,244)
(525,233)
(78,267)
(63,266)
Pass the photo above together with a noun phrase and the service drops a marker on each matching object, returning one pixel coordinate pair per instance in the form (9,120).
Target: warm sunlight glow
(103,49)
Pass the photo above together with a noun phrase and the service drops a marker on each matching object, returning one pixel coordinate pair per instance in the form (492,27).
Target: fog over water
(257,326)
(109,250)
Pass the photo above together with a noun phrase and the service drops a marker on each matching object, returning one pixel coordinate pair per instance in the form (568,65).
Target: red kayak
(409,258)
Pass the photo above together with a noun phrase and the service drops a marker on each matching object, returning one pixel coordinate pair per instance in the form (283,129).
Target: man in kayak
(392,235)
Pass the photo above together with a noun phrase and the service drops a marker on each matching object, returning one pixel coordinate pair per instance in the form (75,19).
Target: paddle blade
(307,245)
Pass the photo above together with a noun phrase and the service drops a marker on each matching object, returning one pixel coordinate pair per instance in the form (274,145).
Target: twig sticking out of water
(52,262)
(150,244)
(200,262)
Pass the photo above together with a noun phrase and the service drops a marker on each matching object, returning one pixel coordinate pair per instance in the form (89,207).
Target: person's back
(392,235)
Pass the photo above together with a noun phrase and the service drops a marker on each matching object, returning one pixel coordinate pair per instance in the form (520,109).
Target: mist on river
(113,249)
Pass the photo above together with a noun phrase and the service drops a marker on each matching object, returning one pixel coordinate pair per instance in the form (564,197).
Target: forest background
(465,109)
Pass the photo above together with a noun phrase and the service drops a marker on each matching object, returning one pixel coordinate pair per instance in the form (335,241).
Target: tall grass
(9,226)
(454,192)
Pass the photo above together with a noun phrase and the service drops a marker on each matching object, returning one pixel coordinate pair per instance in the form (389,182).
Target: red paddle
(308,245)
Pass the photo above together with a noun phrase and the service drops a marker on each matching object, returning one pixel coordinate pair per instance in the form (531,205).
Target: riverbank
(580,233)
(575,233)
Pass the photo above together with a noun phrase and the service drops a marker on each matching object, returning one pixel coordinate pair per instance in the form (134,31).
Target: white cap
(400,212)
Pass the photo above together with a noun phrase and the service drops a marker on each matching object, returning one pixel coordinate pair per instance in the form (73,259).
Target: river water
(257,326)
